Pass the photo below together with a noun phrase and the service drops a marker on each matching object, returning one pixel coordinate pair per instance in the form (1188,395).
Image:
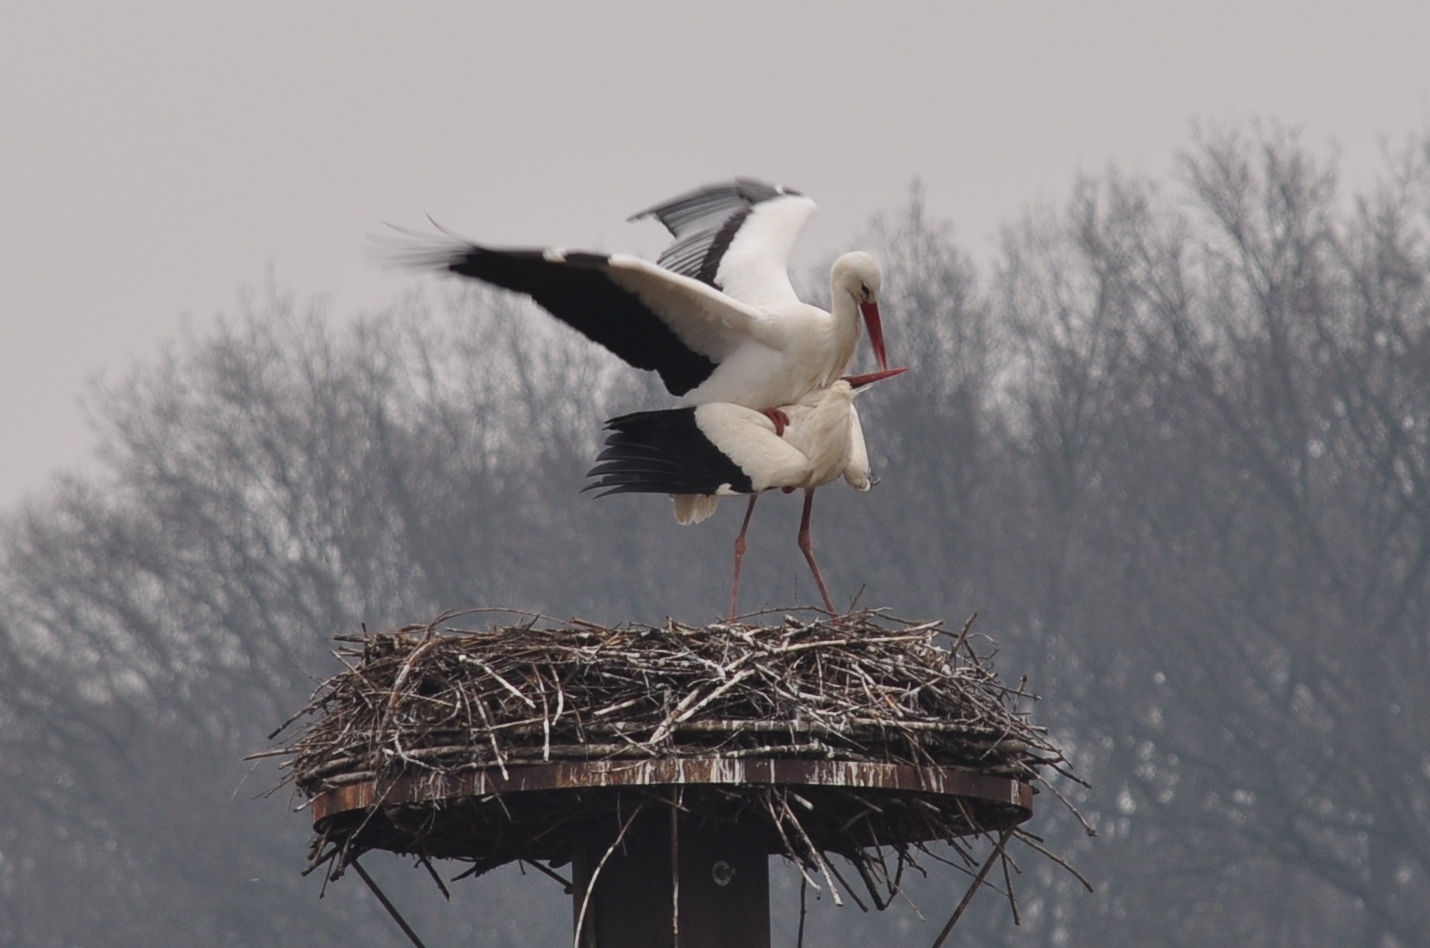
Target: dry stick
(565,883)
(621,706)
(1086,826)
(492,735)
(847,887)
(803,889)
(391,909)
(680,714)
(406,670)
(818,856)
(1008,888)
(790,849)
(722,689)
(545,727)
(973,888)
(1042,850)
(447,616)
(596,874)
(963,639)
(432,871)
(871,884)
(502,681)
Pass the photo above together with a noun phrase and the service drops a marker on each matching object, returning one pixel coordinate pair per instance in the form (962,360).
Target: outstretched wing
(649,316)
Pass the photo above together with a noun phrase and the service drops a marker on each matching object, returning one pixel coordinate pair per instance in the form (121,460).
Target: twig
(596,873)
(391,909)
(972,889)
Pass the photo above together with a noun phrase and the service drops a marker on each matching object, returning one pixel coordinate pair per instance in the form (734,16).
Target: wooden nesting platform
(860,737)
(536,810)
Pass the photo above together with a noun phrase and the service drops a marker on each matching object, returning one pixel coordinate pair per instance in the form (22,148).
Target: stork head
(858,275)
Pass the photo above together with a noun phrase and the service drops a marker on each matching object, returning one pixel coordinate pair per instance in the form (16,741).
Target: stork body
(701,453)
(716,317)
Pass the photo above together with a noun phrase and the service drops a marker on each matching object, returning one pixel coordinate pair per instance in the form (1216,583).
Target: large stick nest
(424,701)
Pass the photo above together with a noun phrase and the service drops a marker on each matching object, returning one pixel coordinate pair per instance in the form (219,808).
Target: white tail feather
(693,508)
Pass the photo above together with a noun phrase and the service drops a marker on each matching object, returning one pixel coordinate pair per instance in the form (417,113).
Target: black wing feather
(663,452)
(577,290)
(705,221)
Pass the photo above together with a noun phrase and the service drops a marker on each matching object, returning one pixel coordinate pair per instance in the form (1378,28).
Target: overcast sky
(155,157)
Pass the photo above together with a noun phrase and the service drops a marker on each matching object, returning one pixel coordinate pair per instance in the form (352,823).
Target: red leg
(808,548)
(780,419)
(740,555)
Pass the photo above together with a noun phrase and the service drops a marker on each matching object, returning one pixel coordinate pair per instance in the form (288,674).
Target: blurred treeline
(1172,443)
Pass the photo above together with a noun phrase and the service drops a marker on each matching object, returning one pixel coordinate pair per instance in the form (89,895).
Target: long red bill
(876,331)
(859,381)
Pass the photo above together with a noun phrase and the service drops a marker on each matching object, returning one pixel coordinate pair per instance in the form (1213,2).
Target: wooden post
(673,882)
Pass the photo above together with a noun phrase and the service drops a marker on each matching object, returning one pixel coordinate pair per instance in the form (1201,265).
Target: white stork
(698,454)
(716,316)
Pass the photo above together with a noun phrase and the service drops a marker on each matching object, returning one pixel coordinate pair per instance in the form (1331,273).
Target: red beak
(876,332)
(859,381)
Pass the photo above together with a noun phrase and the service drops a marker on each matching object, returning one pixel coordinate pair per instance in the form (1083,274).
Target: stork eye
(864,290)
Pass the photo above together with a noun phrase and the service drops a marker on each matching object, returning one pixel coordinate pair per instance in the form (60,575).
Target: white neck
(846,316)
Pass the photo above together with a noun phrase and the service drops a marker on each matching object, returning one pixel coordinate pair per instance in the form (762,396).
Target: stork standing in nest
(701,453)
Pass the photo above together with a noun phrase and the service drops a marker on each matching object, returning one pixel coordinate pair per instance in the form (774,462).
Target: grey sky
(156,157)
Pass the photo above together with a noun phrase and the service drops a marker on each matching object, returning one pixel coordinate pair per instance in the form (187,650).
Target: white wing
(736,237)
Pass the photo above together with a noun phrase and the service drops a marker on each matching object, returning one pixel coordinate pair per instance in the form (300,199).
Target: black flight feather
(705,221)
(575,288)
(663,452)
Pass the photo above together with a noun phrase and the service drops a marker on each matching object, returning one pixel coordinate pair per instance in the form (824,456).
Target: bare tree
(1229,576)
(265,487)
